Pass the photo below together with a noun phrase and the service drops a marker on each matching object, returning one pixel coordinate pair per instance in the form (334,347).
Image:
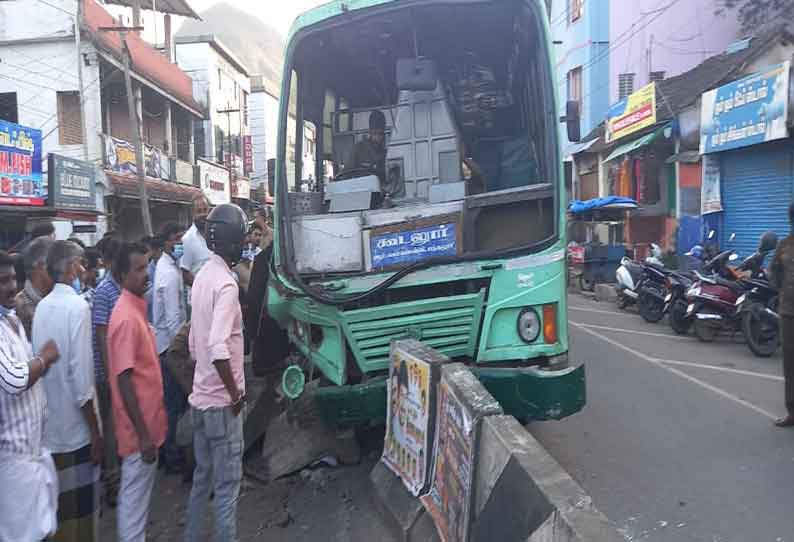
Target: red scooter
(713,299)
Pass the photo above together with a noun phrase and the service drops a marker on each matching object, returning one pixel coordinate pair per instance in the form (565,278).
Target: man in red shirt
(137,391)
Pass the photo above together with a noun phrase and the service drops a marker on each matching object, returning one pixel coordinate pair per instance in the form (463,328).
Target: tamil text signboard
(392,246)
(248,155)
(746,112)
(214,182)
(21,181)
(410,424)
(72,183)
(632,114)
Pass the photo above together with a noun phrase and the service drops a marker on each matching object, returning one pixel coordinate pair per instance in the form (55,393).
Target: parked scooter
(652,292)
(630,276)
(758,307)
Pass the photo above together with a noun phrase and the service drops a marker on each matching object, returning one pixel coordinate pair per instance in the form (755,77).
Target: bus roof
(332,9)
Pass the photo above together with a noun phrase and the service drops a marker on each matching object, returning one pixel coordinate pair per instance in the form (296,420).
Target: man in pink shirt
(136,385)
(216,343)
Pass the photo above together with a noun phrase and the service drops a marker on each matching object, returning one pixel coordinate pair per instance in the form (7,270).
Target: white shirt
(64,317)
(195,253)
(21,409)
(169,313)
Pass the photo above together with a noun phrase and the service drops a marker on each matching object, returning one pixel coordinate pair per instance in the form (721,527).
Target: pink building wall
(678,37)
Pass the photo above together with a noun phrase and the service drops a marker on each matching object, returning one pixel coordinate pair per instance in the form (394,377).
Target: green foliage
(755,15)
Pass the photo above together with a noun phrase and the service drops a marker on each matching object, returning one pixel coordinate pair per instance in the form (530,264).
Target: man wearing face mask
(196,251)
(72,431)
(170,314)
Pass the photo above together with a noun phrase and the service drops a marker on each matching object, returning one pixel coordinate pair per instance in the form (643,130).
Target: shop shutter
(757,188)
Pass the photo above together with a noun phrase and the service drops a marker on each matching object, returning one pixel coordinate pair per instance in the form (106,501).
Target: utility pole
(136,124)
(78,21)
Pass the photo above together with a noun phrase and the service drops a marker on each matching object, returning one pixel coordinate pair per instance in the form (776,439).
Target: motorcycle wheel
(678,320)
(762,337)
(705,331)
(651,309)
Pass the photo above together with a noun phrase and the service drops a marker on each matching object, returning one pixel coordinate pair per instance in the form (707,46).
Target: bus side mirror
(572,119)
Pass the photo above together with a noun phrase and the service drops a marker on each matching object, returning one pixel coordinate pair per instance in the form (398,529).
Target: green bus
(430,203)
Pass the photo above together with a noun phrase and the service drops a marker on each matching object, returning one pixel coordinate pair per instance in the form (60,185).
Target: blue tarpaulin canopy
(608,203)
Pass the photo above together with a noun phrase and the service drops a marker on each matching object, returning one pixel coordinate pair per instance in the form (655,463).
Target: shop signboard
(746,112)
(411,419)
(21,180)
(632,114)
(120,157)
(248,155)
(710,198)
(183,172)
(72,183)
(241,189)
(214,182)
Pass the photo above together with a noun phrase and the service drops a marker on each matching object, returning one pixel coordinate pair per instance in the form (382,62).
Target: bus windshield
(424,131)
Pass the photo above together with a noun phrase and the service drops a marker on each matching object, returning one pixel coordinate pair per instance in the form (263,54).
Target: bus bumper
(529,394)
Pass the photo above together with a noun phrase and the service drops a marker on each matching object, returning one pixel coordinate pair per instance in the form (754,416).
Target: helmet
(226,229)
(696,252)
(768,242)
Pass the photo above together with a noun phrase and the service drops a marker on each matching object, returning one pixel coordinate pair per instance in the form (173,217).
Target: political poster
(408,446)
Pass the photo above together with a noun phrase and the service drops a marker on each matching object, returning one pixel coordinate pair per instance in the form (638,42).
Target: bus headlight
(528,325)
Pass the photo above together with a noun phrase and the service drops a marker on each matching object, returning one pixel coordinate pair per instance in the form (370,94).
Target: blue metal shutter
(758,186)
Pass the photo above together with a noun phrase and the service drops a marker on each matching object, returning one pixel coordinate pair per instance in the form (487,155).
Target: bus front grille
(448,324)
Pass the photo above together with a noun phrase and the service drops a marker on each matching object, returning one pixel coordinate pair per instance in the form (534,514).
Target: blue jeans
(218,446)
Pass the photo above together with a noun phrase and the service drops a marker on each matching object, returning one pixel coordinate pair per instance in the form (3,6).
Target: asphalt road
(676,442)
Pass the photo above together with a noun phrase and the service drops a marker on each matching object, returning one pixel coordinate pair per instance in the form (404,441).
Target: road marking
(574,307)
(720,369)
(692,379)
(619,330)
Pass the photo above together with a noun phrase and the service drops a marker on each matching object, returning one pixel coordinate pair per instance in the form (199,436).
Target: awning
(634,145)
(576,148)
(685,157)
(126,186)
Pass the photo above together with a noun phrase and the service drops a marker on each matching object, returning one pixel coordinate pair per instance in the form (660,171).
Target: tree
(758,15)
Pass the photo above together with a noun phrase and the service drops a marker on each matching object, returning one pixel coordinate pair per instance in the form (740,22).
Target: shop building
(86,118)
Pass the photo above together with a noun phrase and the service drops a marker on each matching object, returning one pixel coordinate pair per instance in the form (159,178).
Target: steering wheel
(352,173)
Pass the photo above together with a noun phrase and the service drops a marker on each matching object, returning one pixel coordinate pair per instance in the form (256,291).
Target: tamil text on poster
(21,181)
(449,499)
(408,442)
(632,114)
(398,248)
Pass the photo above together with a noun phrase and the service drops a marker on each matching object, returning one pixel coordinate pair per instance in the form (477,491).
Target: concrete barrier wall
(523,494)
(519,492)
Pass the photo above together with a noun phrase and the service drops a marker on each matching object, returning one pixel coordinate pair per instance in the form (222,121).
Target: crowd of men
(108,356)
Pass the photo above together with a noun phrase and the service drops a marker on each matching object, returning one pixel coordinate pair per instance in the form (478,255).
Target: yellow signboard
(632,114)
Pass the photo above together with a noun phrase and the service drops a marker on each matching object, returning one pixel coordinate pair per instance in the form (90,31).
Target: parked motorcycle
(676,303)
(758,307)
(631,276)
(713,300)
(652,293)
